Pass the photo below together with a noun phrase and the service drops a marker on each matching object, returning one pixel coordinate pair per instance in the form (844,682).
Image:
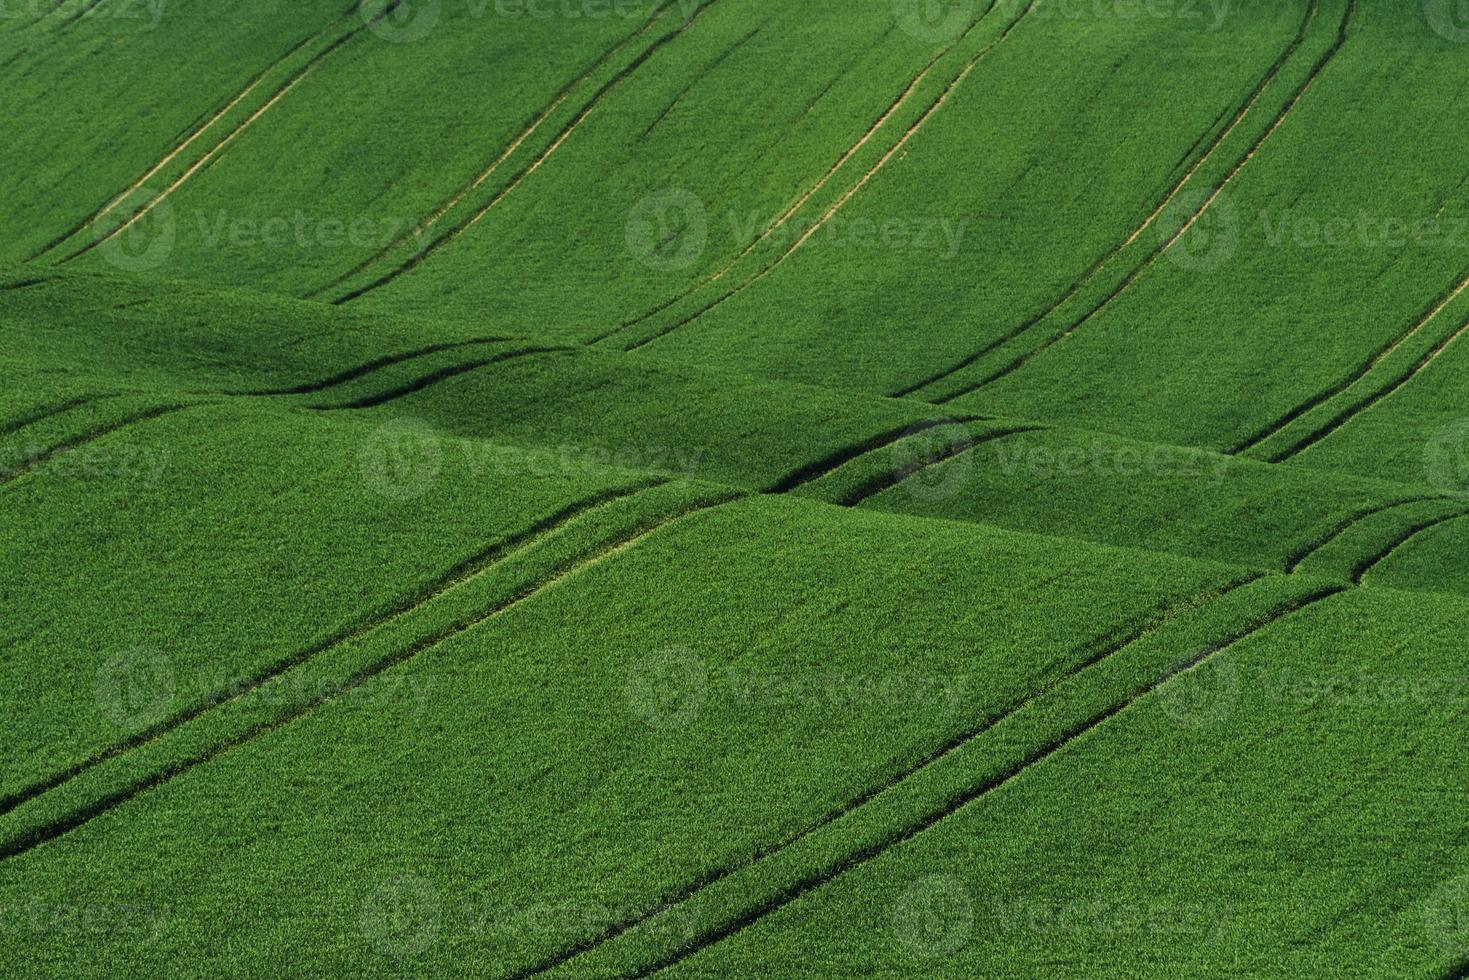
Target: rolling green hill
(719,488)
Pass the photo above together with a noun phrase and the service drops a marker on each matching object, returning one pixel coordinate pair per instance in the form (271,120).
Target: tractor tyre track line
(834,461)
(1359,574)
(40,415)
(219,148)
(1382,394)
(1294,560)
(1172,194)
(836,869)
(1106,648)
(1361,372)
(484,175)
(1326,59)
(806,195)
(566,132)
(852,192)
(461,574)
(10,476)
(192,135)
(51,830)
(443,374)
(361,370)
(895,476)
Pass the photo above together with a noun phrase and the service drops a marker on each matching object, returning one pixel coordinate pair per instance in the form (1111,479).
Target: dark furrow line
(834,461)
(83,11)
(1132,277)
(55,6)
(194,132)
(26,283)
(1294,559)
(853,191)
(841,866)
(1358,374)
(352,374)
(1105,648)
(51,830)
(447,205)
(530,168)
(77,442)
(14,58)
(40,415)
(1348,414)
(1359,573)
(1110,254)
(443,374)
(896,475)
(806,195)
(219,148)
(466,570)
(1459,971)
(712,66)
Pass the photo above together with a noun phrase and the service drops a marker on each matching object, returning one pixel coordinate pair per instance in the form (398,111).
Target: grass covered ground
(716,488)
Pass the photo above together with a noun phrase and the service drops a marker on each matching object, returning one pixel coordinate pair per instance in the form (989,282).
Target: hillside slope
(723,488)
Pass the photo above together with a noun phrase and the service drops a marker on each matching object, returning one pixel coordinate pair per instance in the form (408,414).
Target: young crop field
(734,488)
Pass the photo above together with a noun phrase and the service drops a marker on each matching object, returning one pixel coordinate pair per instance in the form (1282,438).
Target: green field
(734,488)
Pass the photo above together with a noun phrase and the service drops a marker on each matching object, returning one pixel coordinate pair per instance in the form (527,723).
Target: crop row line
(835,869)
(52,829)
(1108,648)
(1132,277)
(852,192)
(780,220)
(525,134)
(1142,227)
(581,116)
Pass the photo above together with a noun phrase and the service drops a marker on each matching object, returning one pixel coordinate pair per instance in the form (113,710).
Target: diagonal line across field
(1343,33)
(834,870)
(896,475)
(370,367)
(169,157)
(591,106)
(509,151)
(831,212)
(833,461)
(460,575)
(41,414)
(1296,558)
(443,374)
(800,202)
(1359,574)
(1382,394)
(92,435)
(1105,649)
(1173,192)
(298,76)
(52,829)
